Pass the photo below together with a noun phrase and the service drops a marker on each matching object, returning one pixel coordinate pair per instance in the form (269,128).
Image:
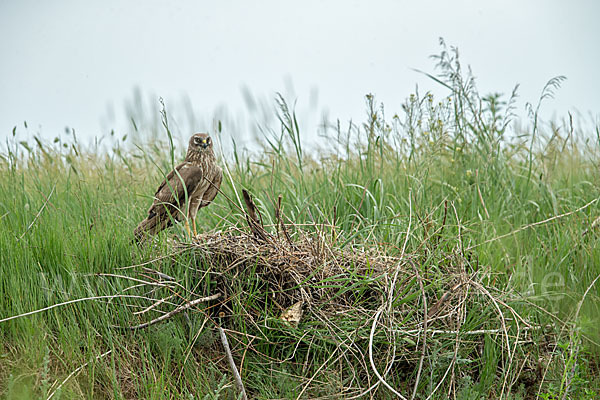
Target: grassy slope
(433,154)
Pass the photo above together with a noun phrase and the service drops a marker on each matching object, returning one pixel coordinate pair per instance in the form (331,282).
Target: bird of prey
(193,184)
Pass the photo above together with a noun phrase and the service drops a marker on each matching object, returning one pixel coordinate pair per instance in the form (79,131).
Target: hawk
(193,184)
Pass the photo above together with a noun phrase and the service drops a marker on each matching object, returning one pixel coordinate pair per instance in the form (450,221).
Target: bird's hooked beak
(202,142)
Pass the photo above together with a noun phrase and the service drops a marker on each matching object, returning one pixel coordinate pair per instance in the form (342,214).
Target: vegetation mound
(377,314)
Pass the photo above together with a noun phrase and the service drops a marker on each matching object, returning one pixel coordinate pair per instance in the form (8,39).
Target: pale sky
(69,63)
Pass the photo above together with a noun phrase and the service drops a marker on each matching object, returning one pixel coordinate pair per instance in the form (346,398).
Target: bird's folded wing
(178,186)
(213,187)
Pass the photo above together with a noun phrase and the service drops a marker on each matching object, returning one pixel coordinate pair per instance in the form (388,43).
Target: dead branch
(168,315)
(252,218)
(278,214)
(238,379)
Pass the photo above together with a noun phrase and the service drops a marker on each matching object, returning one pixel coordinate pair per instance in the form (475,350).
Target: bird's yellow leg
(187,228)
(194,227)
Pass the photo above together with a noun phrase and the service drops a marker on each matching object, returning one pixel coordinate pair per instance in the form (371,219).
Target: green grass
(67,213)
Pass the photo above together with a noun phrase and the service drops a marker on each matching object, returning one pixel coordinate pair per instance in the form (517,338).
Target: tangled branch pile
(303,270)
(385,314)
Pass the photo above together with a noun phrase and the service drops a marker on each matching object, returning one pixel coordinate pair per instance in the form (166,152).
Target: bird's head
(201,142)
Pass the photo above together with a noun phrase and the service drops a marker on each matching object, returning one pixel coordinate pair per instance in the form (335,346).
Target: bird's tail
(148,226)
(153,224)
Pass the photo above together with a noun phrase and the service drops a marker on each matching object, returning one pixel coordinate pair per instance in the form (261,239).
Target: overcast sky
(74,63)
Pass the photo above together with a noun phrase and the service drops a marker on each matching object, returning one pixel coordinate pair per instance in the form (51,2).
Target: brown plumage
(193,184)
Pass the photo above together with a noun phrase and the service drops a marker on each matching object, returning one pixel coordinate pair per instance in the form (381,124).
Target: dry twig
(168,315)
(238,379)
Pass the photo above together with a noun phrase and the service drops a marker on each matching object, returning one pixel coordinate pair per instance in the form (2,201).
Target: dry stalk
(387,385)
(75,372)
(424,336)
(38,214)
(112,296)
(533,224)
